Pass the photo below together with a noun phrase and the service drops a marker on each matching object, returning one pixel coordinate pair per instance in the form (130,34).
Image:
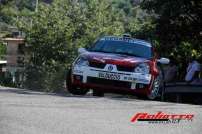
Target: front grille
(97,64)
(125,68)
(102,65)
(106,82)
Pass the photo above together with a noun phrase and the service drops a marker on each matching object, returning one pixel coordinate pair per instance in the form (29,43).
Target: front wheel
(77,91)
(156,89)
(72,88)
(157,86)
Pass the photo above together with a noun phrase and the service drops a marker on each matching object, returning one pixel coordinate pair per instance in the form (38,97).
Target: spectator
(171,71)
(193,71)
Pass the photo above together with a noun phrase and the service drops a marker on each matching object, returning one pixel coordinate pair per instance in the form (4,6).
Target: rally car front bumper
(94,78)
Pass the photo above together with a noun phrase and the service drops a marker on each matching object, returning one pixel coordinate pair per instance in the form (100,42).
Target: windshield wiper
(124,53)
(99,51)
(129,54)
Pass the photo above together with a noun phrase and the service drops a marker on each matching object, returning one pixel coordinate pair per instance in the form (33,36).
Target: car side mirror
(164,61)
(82,50)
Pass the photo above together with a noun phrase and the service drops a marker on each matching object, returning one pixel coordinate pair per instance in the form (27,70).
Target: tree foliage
(2,51)
(177,21)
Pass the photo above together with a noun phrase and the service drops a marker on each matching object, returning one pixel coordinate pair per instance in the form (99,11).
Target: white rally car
(119,65)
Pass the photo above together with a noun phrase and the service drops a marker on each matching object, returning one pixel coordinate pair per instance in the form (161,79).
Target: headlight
(142,68)
(82,62)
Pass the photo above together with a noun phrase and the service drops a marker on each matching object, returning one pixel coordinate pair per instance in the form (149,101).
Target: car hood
(116,59)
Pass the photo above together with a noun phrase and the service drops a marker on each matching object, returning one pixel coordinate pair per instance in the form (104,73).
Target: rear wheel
(72,88)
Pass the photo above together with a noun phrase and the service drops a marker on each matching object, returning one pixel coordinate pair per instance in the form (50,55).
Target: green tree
(2,51)
(176,22)
(178,28)
(11,11)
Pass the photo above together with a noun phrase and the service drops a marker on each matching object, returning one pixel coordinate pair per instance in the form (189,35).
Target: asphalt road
(28,112)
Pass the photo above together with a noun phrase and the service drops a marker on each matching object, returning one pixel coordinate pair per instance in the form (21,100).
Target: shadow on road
(32,92)
(187,98)
(195,99)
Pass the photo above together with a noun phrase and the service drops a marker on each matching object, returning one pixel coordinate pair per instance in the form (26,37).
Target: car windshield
(122,47)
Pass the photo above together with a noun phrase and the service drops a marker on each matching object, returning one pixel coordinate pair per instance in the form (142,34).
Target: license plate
(110,76)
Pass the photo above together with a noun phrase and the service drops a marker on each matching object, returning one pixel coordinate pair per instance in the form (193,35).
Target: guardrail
(178,89)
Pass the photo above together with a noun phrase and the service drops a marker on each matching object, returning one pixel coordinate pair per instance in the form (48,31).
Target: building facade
(15,57)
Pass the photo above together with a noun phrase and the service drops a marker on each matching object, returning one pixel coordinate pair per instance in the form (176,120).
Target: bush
(45,78)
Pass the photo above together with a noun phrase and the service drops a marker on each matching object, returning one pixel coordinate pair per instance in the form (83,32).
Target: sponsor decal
(110,76)
(143,80)
(161,117)
(129,40)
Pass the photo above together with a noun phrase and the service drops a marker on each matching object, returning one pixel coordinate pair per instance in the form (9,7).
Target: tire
(157,86)
(72,88)
(98,93)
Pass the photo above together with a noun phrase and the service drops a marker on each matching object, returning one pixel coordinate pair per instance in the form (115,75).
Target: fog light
(140,85)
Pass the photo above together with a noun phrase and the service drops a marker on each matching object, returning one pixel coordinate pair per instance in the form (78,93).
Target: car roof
(130,40)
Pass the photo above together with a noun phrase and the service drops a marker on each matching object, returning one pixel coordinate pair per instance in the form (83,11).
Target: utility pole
(37,4)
